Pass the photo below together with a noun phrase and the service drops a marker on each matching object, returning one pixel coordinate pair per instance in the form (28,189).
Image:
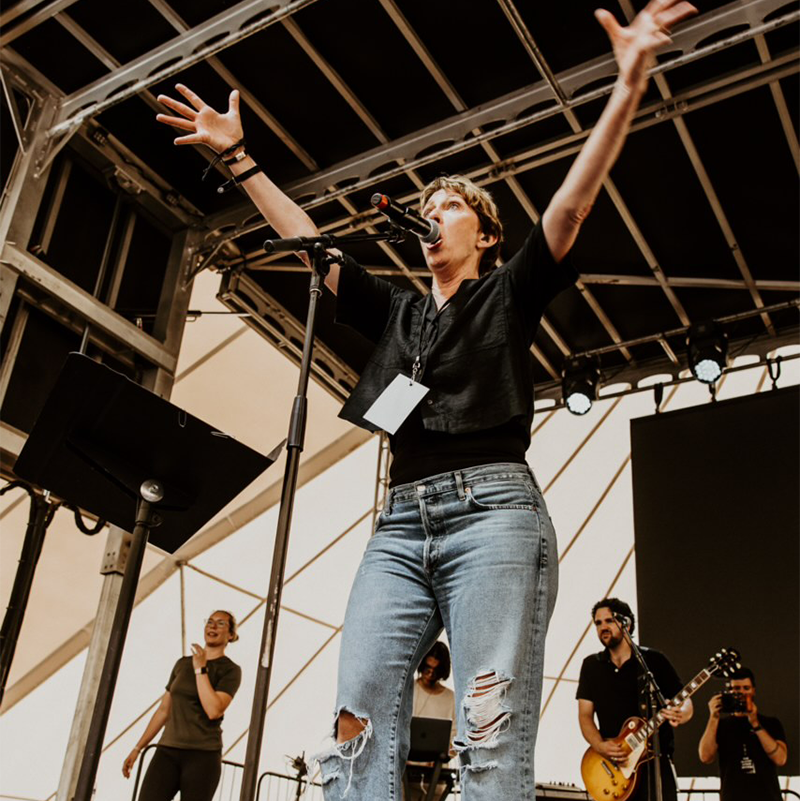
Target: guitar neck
(687,692)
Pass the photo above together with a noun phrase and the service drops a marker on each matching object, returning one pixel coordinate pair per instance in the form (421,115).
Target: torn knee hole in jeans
(486,711)
(357,731)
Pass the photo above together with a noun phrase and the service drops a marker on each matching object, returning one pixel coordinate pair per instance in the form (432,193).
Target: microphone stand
(320,266)
(655,701)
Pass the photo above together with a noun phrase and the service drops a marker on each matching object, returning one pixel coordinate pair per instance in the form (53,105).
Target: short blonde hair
(481,202)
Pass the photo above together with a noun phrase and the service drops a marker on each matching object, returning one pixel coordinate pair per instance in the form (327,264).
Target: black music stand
(111,447)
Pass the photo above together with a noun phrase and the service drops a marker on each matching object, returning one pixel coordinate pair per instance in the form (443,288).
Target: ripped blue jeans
(473,552)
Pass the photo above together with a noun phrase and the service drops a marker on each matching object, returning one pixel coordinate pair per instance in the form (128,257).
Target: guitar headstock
(725,662)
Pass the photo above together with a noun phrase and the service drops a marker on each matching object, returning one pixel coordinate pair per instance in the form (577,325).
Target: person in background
(611,686)
(188,758)
(750,745)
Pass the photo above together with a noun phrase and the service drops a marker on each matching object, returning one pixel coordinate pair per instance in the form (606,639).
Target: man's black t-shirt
(617,692)
(745,770)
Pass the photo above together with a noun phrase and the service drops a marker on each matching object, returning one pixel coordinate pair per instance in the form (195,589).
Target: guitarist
(612,688)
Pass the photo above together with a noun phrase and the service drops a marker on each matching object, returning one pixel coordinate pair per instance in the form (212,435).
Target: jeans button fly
(420,489)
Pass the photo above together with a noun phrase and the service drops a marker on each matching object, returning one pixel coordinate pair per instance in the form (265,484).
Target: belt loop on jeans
(460,486)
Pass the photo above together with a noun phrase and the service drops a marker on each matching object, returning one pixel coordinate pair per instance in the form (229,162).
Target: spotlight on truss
(579,384)
(708,352)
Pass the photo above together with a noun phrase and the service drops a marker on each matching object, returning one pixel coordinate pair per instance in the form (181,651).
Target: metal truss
(705,180)
(268,318)
(240,220)
(631,374)
(305,194)
(512,111)
(206,40)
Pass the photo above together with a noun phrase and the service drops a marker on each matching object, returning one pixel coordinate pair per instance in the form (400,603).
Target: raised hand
(206,126)
(199,656)
(635,44)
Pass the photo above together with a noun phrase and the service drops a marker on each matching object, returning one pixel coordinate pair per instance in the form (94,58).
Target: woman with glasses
(188,757)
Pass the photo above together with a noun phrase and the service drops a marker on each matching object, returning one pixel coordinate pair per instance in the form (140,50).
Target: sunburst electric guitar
(606,780)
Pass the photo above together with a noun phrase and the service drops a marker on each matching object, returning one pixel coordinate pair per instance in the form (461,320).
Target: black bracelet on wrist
(757,728)
(239,179)
(235,159)
(221,156)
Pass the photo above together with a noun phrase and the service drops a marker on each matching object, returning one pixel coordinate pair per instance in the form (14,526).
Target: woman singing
(464,542)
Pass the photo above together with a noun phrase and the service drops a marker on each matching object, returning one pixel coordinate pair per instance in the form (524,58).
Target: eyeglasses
(214,623)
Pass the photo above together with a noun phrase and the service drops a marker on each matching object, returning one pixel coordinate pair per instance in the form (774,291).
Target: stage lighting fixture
(579,384)
(708,352)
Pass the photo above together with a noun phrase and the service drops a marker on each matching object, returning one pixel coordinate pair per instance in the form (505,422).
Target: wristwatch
(756,728)
(199,671)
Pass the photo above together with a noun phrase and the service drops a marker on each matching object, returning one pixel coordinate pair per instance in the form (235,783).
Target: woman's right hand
(206,126)
(127,765)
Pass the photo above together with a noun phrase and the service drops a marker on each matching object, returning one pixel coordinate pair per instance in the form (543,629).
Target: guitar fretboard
(690,689)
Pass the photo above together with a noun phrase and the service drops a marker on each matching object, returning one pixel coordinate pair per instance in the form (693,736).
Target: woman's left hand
(199,658)
(635,44)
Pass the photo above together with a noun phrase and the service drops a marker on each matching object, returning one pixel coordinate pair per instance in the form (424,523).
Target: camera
(733,703)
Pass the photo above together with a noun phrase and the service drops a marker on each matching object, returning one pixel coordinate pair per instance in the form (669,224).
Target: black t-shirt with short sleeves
(476,360)
(745,770)
(188,726)
(617,693)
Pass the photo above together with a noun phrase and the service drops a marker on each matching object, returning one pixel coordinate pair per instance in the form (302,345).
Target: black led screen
(715,492)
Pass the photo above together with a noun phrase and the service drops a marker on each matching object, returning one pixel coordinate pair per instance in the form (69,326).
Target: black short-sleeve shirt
(617,692)
(188,726)
(479,366)
(745,770)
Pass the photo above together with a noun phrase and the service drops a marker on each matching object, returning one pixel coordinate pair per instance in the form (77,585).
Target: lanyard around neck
(418,368)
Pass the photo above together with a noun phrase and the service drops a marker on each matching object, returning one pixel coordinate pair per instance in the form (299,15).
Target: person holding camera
(750,746)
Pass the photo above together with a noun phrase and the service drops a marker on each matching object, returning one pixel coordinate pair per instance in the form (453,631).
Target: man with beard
(612,687)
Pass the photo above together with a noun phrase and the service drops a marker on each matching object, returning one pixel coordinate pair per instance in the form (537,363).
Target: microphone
(407,219)
(623,620)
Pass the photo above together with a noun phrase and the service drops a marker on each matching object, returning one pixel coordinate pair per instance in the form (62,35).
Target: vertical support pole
(38,519)
(181,569)
(113,657)
(170,319)
(22,196)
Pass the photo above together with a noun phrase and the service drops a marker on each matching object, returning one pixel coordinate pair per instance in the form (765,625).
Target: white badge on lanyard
(403,395)
(395,403)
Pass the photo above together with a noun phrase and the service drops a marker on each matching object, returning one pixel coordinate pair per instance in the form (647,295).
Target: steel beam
(780,105)
(507,113)
(255,105)
(80,301)
(206,40)
(269,319)
(35,18)
(689,283)
(652,114)
(633,373)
